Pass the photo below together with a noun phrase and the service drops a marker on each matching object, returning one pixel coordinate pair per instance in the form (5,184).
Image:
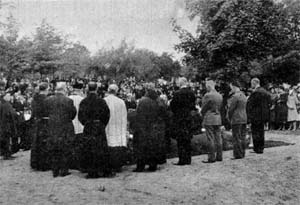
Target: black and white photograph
(130,102)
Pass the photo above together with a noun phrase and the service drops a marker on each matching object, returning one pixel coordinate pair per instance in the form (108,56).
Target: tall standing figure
(182,104)
(8,125)
(211,105)
(149,133)
(258,113)
(116,128)
(39,158)
(94,114)
(77,97)
(61,112)
(238,119)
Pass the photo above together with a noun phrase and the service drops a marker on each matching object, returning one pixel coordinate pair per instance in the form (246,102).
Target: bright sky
(98,23)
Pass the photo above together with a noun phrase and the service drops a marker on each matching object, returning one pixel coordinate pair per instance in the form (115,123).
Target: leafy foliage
(126,60)
(239,38)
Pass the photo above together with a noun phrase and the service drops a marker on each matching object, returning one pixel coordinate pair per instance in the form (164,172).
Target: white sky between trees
(104,23)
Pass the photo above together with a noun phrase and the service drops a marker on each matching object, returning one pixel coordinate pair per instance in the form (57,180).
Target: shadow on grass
(273,143)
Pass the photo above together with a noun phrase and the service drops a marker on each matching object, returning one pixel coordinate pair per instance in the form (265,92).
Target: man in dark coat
(182,104)
(94,116)
(149,133)
(61,112)
(211,112)
(8,127)
(258,112)
(39,159)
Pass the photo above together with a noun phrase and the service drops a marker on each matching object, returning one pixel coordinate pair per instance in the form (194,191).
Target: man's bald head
(92,86)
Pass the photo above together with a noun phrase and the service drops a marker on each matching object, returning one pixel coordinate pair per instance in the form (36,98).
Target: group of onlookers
(285,109)
(89,125)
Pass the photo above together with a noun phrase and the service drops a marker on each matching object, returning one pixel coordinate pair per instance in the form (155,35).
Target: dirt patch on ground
(271,178)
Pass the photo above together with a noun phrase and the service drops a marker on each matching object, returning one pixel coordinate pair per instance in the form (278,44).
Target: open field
(271,178)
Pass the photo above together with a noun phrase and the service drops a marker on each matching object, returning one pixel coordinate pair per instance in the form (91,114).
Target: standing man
(61,112)
(258,112)
(94,115)
(116,127)
(8,126)
(182,104)
(77,97)
(211,105)
(238,119)
(39,158)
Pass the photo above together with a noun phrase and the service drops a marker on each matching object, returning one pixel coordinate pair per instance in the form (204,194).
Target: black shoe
(138,170)
(152,168)
(55,173)
(219,160)
(109,175)
(208,161)
(92,176)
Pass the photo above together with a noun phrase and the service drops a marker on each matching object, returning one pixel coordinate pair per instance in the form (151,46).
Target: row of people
(54,122)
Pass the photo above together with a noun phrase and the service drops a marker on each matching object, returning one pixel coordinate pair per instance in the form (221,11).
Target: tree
(47,48)
(126,61)
(75,60)
(234,36)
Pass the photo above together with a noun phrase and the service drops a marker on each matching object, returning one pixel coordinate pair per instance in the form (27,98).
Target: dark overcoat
(8,127)
(61,112)
(94,114)
(39,150)
(149,131)
(182,104)
(258,106)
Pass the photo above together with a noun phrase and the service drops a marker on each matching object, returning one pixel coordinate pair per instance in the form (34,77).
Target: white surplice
(117,125)
(78,127)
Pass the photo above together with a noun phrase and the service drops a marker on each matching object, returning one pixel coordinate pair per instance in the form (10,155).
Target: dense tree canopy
(50,53)
(243,38)
(126,60)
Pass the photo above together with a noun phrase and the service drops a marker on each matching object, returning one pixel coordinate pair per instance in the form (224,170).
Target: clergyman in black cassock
(94,115)
(61,112)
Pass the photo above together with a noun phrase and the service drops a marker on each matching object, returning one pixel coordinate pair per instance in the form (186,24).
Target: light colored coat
(211,105)
(78,127)
(292,108)
(117,125)
(237,108)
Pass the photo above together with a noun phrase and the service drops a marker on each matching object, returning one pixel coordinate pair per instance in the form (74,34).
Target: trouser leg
(184,150)
(211,142)
(258,136)
(218,142)
(239,140)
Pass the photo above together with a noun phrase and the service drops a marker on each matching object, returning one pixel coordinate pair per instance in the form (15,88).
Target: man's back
(116,127)
(183,101)
(258,106)
(211,105)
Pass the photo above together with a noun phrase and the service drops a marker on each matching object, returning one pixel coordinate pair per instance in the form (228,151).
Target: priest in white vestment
(117,125)
(77,97)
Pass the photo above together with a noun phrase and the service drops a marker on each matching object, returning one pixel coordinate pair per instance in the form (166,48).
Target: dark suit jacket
(237,108)
(211,105)
(182,104)
(258,106)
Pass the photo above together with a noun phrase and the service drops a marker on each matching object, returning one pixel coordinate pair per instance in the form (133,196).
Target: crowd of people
(88,125)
